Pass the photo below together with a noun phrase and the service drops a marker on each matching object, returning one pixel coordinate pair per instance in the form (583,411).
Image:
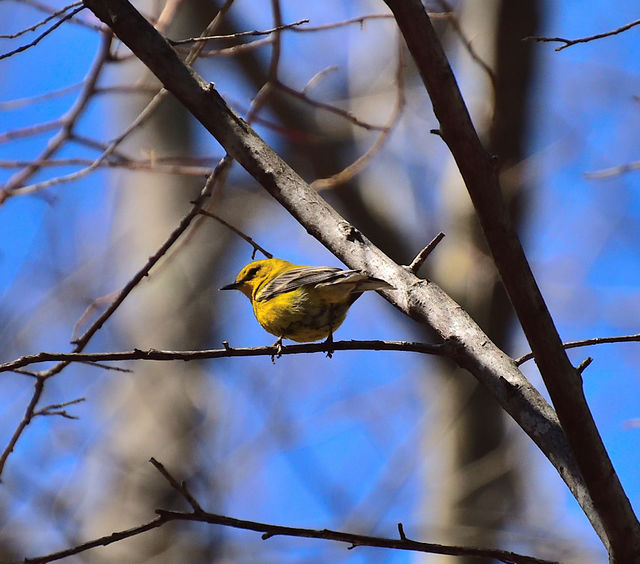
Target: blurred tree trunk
(158,409)
(479,490)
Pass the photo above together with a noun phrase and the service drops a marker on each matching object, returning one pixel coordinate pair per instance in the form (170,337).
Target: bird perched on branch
(301,303)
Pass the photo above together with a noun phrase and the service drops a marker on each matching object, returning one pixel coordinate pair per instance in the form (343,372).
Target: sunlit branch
(29,131)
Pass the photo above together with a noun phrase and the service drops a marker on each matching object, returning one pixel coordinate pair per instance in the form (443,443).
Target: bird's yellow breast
(305,314)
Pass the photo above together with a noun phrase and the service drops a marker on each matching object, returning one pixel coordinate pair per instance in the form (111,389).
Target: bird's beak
(233,286)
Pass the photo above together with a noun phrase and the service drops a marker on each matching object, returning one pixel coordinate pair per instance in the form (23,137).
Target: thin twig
(237,49)
(586,343)
(43,34)
(570,42)
(424,253)
(154,166)
(179,487)
(317,77)
(27,101)
(41,22)
(360,20)
(328,107)
(58,409)
(361,162)
(99,322)
(67,123)
(239,34)
(455,23)
(29,130)
(237,231)
(47,9)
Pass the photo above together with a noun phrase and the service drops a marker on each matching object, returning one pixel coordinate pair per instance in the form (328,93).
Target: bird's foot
(329,342)
(278,346)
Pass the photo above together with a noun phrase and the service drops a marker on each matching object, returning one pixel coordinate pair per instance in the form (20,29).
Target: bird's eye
(252,272)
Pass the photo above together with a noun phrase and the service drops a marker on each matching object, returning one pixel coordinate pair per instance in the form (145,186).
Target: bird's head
(254,274)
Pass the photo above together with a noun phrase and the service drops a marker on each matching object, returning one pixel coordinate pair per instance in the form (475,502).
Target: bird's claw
(278,346)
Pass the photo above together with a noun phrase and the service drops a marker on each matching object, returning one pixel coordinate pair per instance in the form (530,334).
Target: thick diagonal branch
(560,377)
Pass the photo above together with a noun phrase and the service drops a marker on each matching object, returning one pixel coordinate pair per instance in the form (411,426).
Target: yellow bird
(301,303)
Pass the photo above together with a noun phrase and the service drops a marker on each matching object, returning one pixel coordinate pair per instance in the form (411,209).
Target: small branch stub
(424,253)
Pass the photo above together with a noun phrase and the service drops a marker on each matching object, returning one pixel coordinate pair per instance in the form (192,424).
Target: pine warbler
(301,303)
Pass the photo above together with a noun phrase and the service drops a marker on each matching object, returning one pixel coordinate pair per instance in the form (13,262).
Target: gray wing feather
(315,275)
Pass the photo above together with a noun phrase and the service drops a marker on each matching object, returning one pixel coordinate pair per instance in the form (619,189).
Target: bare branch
(38,388)
(67,122)
(181,487)
(361,20)
(41,22)
(22,102)
(424,253)
(455,23)
(227,352)
(270,530)
(58,409)
(570,42)
(44,33)
(361,162)
(587,343)
(237,231)
(330,108)
(239,34)
(128,288)
(612,514)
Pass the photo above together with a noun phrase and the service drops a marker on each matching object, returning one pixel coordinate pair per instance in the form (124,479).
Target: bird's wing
(301,276)
(319,276)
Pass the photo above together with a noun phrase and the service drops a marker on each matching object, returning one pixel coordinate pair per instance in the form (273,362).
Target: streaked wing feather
(303,276)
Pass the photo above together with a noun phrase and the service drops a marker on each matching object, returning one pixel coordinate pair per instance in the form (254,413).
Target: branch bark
(561,379)
(420,299)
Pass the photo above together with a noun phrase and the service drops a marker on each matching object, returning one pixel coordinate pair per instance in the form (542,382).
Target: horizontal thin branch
(252,33)
(270,530)
(586,343)
(227,352)
(570,42)
(354,540)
